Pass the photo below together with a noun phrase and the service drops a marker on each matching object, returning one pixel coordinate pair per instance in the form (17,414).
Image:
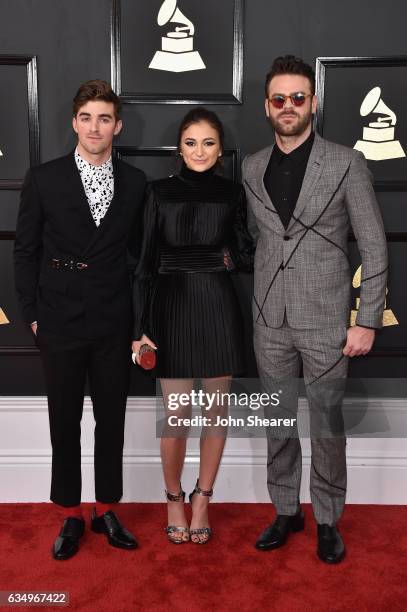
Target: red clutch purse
(148,358)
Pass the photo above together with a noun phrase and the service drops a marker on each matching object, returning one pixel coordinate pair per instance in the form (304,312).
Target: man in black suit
(79,217)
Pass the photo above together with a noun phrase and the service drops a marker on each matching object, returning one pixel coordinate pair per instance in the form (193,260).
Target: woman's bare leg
(211,448)
(173,453)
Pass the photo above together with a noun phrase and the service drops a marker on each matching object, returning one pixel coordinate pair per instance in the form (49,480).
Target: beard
(296,128)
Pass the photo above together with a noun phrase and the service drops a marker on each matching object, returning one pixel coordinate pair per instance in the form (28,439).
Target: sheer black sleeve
(241,246)
(147,268)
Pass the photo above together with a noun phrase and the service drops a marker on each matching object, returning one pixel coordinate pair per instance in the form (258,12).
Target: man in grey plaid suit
(304,195)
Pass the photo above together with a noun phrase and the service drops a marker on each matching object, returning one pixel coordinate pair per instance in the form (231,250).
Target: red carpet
(226,574)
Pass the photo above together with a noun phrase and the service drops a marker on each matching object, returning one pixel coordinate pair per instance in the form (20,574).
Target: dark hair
(96,90)
(196,115)
(289,64)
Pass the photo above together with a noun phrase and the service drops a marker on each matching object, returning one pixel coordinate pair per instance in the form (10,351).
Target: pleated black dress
(184,299)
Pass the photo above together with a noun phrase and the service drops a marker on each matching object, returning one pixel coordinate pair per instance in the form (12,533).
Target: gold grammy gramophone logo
(177,52)
(379,141)
(388,315)
(3,319)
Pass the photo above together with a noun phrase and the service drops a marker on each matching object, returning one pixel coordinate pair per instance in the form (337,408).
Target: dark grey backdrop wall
(72,42)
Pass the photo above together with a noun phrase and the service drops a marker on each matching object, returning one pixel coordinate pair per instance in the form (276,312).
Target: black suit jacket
(55,222)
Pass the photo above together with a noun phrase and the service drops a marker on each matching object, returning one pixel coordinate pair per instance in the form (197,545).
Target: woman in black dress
(185,303)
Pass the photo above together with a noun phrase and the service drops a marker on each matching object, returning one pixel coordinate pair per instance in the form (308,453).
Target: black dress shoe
(117,535)
(67,543)
(331,548)
(277,533)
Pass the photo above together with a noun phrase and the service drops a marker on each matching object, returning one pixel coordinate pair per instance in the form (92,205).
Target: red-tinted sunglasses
(297,99)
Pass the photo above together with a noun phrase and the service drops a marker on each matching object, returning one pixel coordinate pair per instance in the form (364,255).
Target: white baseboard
(377,467)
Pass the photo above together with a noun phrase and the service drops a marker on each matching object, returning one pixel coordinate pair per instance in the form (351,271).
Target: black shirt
(284,176)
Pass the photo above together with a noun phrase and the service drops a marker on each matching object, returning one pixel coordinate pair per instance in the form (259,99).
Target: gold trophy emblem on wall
(3,319)
(379,142)
(177,47)
(388,315)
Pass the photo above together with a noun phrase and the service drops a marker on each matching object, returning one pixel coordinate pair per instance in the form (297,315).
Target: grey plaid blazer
(304,270)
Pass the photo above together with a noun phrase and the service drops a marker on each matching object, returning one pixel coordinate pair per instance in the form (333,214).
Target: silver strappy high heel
(205,531)
(171,530)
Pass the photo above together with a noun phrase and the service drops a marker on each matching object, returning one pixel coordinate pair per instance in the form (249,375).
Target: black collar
(299,154)
(196,177)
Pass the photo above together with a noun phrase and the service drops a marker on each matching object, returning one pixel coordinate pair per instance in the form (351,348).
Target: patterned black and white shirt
(98,183)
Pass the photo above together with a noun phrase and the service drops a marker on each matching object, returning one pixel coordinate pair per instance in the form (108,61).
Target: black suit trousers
(68,362)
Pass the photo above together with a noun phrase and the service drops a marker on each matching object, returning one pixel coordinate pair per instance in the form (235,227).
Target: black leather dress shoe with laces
(67,543)
(277,533)
(331,548)
(117,535)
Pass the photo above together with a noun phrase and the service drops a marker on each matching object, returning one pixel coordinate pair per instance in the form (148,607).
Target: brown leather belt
(59,264)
